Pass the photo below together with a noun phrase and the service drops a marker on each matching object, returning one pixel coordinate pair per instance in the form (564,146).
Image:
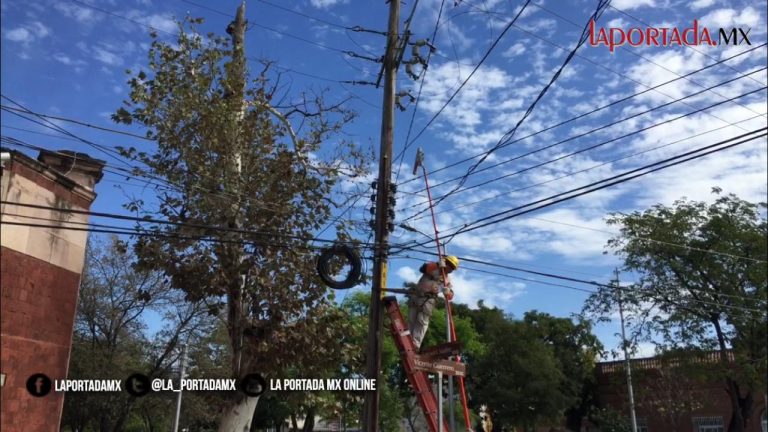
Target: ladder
(417,378)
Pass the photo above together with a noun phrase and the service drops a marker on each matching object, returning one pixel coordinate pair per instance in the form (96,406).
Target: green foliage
(609,420)
(703,281)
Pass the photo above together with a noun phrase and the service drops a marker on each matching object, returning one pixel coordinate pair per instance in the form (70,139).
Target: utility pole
(182,367)
(632,417)
(381,245)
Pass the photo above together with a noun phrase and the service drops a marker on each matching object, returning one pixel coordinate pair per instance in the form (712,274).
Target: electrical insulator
(372,224)
(374,184)
(392,201)
(391,227)
(373,197)
(393,188)
(373,210)
(391,214)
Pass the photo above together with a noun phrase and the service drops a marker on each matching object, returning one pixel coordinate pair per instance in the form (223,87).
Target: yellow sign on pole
(383,278)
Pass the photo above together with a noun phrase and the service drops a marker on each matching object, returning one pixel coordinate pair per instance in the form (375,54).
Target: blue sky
(66,58)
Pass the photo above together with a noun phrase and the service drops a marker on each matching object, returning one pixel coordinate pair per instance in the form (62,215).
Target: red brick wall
(37,312)
(612,392)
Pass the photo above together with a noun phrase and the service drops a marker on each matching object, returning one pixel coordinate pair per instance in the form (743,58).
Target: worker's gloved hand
(448,294)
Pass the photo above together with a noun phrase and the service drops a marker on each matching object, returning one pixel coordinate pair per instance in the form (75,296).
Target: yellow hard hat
(452,261)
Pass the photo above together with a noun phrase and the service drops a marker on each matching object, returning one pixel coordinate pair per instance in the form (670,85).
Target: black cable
(614,123)
(464,82)
(675,160)
(601,5)
(103,149)
(78,122)
(598,109)
(646,59)
(401,154)
(167,222)
(573,173)
(593,283)
(595,187)
(582,150)
(137,173)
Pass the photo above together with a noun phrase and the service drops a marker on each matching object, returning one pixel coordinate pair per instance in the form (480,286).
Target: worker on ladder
(422,299)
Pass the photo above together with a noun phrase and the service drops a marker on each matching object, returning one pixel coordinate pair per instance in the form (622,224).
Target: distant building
(40,270)
(669,400)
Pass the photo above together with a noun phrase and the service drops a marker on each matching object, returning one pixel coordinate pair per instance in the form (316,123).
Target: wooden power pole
(381,244)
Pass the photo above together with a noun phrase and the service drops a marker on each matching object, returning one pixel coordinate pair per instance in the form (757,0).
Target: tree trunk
(309,420)
(573,420)
(294,423)
(741,408)
(238,417)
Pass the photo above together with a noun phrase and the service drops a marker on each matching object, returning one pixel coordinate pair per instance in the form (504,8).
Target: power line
(175,34)
(582,150)
(601,5)
(172,223)
(602,285)
(572,173)
(78,122)
(401,154)
(600,108)
(466,80)
(613,180)
(614,123)
(650,60)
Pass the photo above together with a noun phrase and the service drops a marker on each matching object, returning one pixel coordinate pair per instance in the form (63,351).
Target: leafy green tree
(702,286)
(576,350)
(519,378)
(253,178)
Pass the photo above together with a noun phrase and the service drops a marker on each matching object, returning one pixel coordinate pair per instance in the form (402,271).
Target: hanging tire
(353,259)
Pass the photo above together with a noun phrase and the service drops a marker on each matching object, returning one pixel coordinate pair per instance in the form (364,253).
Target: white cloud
(701,4)
(81,14)
(28,33)
(19,34)
(748,17)
(632,4)
(161,22)
(325,4)
(69,61)
(515,50)
(107,57)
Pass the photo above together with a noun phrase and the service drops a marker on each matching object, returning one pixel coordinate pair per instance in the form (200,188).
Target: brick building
(40,271)
(667,399)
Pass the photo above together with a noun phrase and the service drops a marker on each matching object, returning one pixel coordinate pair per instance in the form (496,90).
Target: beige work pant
(419,312)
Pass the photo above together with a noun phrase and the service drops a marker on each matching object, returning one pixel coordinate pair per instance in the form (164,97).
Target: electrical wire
(401,154)
(602,285)
(172,223)
(601,6)
(613,180)
(648,60)
(614,123)
(582,150)
(573,173)
(476,68)
(599,108)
